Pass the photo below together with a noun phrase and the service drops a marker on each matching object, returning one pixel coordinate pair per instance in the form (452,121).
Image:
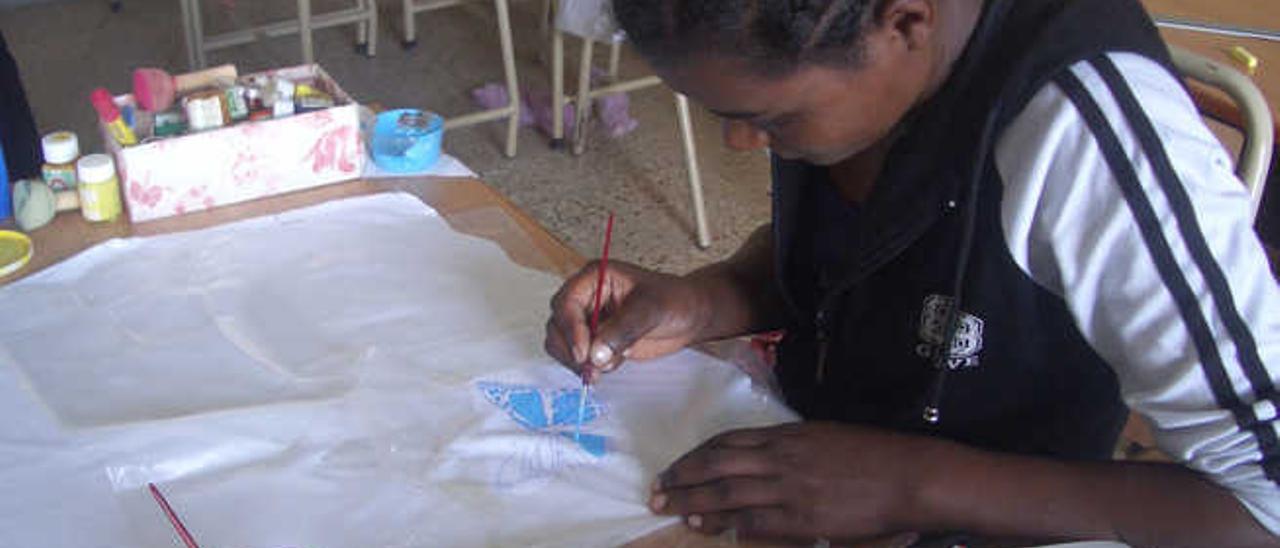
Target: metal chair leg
(557,88)
(410,37)
(509,68)
(691,163)
(362,30)
(197,34)
(187,33)
(371,25)
(304,31)
(615,59)
(582,119)
(546,24)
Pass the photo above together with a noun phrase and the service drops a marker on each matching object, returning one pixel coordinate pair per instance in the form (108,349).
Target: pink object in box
(248,160)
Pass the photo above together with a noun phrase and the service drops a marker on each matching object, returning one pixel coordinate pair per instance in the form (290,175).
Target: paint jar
(169,123)
(312,103)
(237,106)
(61,149)
(99,188)
(279,96)
(206,110)
(253,98)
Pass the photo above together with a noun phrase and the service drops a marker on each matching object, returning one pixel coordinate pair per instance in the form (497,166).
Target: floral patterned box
(245,161)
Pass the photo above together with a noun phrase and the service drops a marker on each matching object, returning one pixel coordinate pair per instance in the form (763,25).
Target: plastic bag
(589,19)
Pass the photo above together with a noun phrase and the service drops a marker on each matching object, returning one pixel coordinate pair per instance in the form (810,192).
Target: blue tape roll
(407,140)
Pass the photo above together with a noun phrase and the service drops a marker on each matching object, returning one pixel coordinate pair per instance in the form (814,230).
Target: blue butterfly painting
(548,411)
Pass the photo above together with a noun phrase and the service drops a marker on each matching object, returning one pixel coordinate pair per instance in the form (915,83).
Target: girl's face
(820,114)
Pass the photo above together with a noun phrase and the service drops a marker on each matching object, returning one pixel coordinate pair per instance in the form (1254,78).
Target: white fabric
(353,374)
(1068,226)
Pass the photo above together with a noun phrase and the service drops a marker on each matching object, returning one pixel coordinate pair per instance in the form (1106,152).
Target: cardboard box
(248,160)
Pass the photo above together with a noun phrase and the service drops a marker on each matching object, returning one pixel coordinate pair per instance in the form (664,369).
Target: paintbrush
(178,527)
(595,323)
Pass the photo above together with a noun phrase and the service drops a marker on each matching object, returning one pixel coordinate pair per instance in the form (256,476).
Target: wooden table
(1242,13)
(468,205)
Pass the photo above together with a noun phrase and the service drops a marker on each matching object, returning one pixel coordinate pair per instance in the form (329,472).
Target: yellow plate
(15,251)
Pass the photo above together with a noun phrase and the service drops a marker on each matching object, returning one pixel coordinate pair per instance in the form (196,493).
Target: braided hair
(776,35)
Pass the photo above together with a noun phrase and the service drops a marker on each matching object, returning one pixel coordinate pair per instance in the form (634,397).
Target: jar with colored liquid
(61,149)
(99,188)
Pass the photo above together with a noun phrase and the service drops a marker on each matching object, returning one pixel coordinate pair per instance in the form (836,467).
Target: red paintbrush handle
(604,266)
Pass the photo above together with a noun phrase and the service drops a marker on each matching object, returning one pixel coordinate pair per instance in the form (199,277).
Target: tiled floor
(66,48)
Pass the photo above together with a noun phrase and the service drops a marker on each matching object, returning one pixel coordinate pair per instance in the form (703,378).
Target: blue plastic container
(6,193)
(407,140)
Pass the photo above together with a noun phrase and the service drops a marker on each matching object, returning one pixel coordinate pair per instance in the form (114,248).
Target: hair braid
(824,22)
(777,35)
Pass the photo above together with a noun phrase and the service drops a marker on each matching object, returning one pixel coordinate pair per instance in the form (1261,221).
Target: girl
(998,227)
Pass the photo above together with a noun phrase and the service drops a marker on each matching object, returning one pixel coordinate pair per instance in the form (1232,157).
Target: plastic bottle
(110,116)
(6,196)
(99,188)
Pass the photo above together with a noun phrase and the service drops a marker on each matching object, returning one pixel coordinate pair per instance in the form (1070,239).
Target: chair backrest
(1255,117)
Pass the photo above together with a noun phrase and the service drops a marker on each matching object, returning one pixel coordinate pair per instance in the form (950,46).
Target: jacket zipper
(829,296)
(820,334)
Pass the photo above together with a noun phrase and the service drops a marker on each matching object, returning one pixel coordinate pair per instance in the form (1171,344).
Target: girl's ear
(910,24)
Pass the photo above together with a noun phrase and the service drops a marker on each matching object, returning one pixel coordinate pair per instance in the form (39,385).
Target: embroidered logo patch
(965,346)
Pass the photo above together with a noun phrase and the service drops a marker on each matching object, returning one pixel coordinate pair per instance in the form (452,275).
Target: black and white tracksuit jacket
(1063,189)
